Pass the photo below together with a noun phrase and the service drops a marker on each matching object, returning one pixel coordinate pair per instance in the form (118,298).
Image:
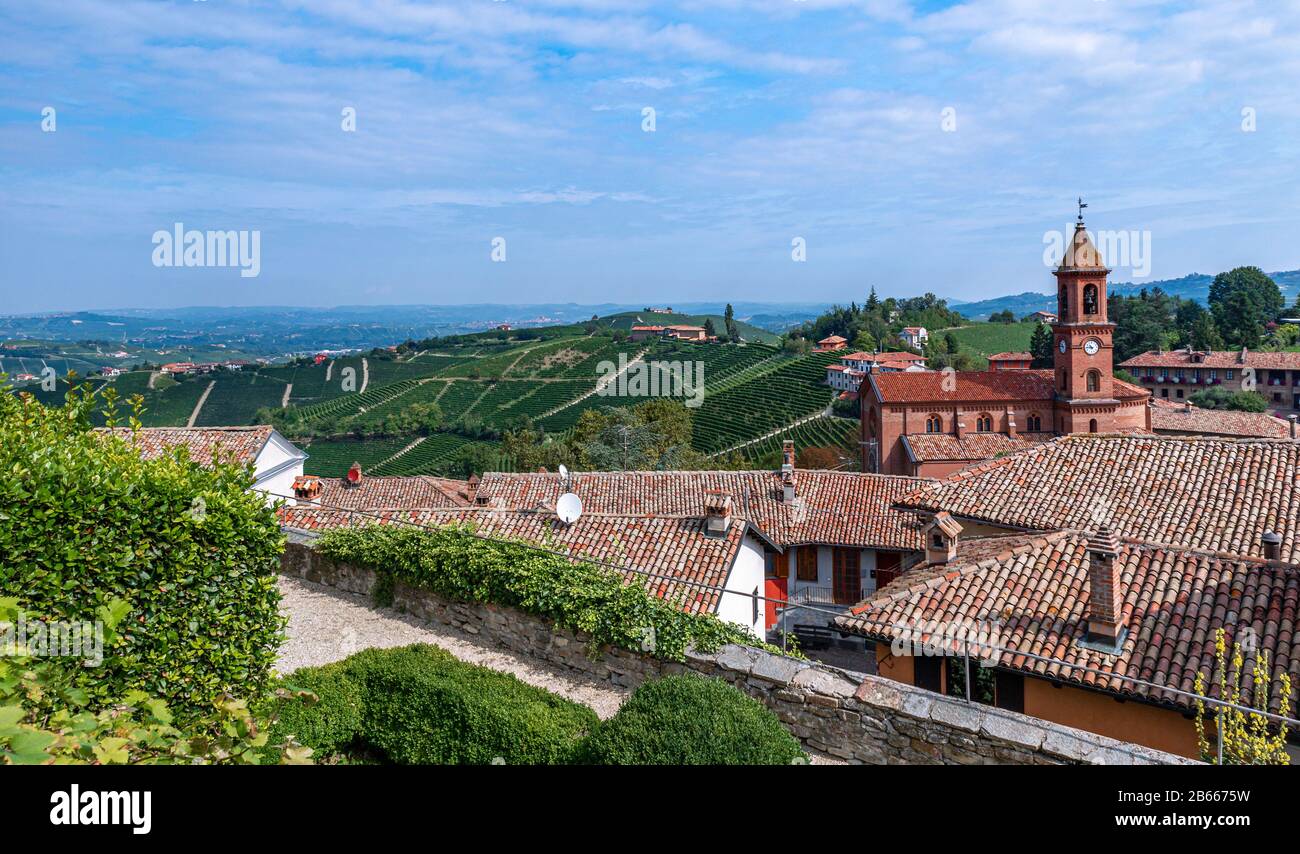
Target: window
(1229,374)
(1009,691)
(1034,424)
(936,540)
(779,564)
(934,424)
(1065,300)
(1062,379)
(1094,380)
(1180,392)
(984,424)
(1164,392)
(847,576)
(1090,299)
(1214,375)
(1092,425)
(807,563)
(925,672)
(1164,375)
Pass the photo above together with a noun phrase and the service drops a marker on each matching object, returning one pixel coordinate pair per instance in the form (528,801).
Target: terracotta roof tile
(933,447)
(1176,418)
(1206,493)
(1289,361)
(392,493)
(1034,592)
(245,443)
(675,550)
(840,508)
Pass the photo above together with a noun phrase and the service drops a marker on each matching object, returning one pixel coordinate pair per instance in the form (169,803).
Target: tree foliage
(190,552)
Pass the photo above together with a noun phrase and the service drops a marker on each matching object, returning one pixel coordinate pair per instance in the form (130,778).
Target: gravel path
(326,625)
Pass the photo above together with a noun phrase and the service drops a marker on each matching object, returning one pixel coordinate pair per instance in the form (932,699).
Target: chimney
(941,538)
(717,512)
(1272,543)
(1241,357)
(959,421)
(1187,406)
(353,477)
(471,490)
(1105,599)
(1011,422)
(1291,418)
(787,471)
(306,488)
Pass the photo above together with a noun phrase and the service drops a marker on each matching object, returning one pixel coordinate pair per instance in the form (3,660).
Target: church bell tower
(1083,338)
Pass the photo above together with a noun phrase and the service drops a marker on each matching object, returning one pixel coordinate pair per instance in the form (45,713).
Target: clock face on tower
(1061,346)
(1091,346)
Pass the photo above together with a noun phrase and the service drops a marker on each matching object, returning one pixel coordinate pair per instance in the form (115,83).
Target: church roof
(954,386)
(1081,254)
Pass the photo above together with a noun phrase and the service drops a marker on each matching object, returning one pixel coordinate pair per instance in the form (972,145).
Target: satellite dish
(564,472)
(568,508)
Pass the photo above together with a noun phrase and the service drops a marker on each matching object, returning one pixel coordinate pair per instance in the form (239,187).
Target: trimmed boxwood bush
(419,705)
(329,720)
(581,596)
(84,520)
(691,720)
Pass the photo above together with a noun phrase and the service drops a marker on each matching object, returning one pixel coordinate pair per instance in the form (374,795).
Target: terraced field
(824,432)
(236,398)
(332,458)
(763,403)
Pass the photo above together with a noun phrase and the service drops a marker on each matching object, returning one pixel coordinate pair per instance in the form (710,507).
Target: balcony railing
(815,595)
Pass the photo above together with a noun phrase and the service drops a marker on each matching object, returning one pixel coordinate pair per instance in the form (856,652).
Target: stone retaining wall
(875,721)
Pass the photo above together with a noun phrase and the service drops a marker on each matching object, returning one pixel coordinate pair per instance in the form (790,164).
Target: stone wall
(874,721)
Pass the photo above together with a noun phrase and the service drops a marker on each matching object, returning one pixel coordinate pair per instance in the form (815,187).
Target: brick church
(932,423)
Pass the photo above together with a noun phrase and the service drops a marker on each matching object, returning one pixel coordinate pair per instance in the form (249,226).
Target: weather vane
(1082,205)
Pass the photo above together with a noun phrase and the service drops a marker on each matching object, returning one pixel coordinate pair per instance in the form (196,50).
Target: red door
(774,589)
(847,578)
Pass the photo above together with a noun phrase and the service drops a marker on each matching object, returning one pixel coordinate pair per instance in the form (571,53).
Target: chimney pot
(1105,598)
(353,477)
(941,537)
(717,512)
(1292,419)
(1272,545)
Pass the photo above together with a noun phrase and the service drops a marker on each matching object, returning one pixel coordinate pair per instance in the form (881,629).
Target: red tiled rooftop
(675,550)
(1034,592)
(204,443)
(1213,494)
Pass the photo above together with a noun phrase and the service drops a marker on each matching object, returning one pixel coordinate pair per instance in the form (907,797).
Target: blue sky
(774,119)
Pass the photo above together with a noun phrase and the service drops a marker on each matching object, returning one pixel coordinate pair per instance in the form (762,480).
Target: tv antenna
(568,508)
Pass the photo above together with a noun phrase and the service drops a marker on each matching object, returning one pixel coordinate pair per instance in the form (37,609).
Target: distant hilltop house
(320,358)
(849,373)
(1011,361)
(178,368)
(931,424)
(503,327)
(831,343)
(276,461)
(25,377)
(681,333)
(110,371)
(665,310)
(914,336)
(1174,374)
(1044,316)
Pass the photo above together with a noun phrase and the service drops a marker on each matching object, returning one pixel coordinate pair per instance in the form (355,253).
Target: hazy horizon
(914,146)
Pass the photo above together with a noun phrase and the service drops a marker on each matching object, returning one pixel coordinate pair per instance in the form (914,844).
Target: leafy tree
(1219,397)
(191,550)
(1243,300)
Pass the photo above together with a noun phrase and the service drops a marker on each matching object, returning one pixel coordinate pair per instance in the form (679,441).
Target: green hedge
(419,705)
(691,720)
(193,555)
(581,596)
